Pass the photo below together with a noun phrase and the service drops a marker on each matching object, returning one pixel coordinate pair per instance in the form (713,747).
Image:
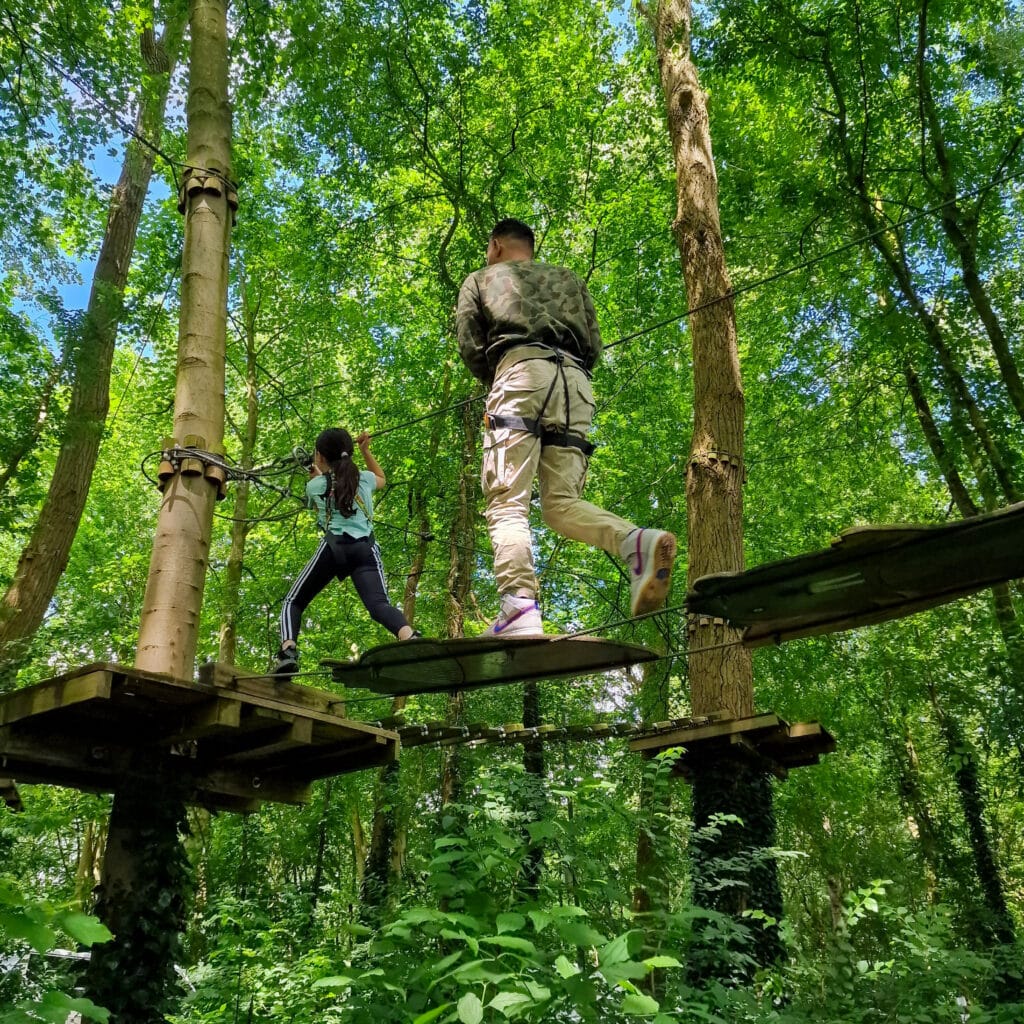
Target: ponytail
(335,445)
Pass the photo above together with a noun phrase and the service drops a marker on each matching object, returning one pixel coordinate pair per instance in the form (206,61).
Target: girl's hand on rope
(363,440)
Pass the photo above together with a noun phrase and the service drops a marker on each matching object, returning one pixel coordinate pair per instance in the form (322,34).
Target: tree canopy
(869,163)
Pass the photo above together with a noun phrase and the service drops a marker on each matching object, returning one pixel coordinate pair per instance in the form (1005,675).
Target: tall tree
(143,838)
(719,667)
(45,555)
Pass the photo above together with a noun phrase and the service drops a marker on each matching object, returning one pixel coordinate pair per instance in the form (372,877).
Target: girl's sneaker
(519,616)
(287,663)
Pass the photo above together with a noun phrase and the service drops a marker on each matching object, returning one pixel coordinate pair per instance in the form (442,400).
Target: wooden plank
(284,734)
(229,678)
(53,694)
(210,719)
(131,683)
(248,694)
(22,750)
(251,786)
(425,665)
(322,762)
(711,731)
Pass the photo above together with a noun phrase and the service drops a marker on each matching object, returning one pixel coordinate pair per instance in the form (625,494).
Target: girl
(343,499)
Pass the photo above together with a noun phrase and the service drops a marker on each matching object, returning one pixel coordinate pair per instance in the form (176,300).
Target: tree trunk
(45,556)
(535,792)
(145,869)
(321,847)
(655,801)
(16,448)
(168,631)
(997,924)
(889,246)
(141,900)
(720,669)
(961,229)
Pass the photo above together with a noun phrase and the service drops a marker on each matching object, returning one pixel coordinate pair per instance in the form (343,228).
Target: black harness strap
(548,435)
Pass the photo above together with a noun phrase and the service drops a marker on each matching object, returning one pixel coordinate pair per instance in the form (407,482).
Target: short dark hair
(514,229)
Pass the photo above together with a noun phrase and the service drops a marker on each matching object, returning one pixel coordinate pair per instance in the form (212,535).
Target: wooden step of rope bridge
(870,574)
(771,741)
(765,739)
(237,738)
(427,665)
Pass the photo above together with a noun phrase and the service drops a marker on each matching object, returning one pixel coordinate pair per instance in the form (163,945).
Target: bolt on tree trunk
(720,669)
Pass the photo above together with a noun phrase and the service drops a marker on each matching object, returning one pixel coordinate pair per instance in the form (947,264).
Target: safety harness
(559,438)
(334,538)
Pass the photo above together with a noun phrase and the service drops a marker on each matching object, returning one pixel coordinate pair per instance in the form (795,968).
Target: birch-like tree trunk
(145,871)
(168,630)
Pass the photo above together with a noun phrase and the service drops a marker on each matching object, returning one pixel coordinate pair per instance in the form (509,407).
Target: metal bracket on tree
(192,459)
(207,179)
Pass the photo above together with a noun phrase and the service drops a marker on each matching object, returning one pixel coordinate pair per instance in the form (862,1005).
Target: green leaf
(471,1010)
(66,1004)
(662,961)
(338,981)
(564,968)
(510,942)
(505,1001)
(425,1018)
(84,928)
(539,830)
(622,947)
(580,934)
(20,926)
(639,1005)
(626,970)
(510,923)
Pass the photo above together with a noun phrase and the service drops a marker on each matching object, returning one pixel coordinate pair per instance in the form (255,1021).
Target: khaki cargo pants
(512,459)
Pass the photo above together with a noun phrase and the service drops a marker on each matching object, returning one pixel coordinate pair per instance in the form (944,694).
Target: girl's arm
(363,440)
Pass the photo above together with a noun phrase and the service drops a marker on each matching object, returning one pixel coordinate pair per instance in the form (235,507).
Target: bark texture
(720,669)
(168,629)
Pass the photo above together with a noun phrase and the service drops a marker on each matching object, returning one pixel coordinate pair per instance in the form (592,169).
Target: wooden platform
(766,739)
(239,739)
(425,665)
(870,574)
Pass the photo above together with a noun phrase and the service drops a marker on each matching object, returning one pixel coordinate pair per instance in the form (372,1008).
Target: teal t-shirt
(357,525)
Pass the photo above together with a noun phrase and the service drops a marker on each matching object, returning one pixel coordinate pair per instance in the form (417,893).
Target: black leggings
(359,559)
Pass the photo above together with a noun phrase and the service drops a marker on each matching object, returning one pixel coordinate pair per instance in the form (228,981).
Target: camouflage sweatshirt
(519,302)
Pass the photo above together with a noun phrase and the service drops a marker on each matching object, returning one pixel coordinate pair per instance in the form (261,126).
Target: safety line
(750,286)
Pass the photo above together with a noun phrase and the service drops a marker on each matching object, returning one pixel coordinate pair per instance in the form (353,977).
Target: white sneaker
(649,555)
(519,616)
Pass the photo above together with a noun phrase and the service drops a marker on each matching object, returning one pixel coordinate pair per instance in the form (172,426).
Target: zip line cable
(751,286)
(115,116)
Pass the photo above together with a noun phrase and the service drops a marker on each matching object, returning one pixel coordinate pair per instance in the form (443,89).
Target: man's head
(511,239)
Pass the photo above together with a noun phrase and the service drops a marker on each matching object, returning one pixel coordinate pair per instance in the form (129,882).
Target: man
(529,331)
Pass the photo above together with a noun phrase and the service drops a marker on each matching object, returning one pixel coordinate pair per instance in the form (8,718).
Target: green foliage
(375,144)
(39,925)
